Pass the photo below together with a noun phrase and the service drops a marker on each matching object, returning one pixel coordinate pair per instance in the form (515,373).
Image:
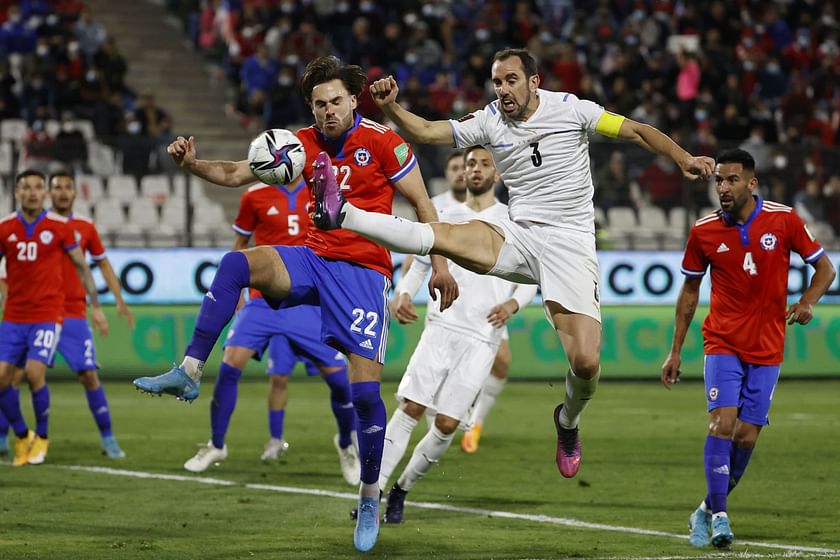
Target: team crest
(78,236)
(768,241)
(713,394)
(46,237)
(362,157)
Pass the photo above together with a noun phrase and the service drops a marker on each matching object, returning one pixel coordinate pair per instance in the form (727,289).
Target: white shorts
(446,371)
(562,261)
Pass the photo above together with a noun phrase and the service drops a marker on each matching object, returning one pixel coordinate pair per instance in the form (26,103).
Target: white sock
(193,366)
(578,393)
(490,391)
(427,453)
(397,434)
(392,232)
(704,508)
(369,490)
(718,515)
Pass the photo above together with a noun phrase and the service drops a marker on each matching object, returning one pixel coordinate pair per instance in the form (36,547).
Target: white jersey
(479,293)
(445,201)
(543,161)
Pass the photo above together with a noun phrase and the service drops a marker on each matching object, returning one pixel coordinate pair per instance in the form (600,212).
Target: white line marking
(793,551)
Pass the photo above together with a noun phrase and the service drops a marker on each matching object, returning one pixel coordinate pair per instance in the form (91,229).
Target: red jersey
(274,216)
(34,254)
(368,159)
(750,264)
(75,296)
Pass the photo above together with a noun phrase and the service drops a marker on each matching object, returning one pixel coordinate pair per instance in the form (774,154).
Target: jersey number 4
(749,264)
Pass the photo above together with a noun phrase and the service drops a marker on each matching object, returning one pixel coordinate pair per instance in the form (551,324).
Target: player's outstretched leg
(722,536)
(217,308)
(328,197)
(700,527)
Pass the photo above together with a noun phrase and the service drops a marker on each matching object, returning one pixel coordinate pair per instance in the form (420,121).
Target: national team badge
(713,394)
(362,157)
(768,241)
(46,237)
(78,236)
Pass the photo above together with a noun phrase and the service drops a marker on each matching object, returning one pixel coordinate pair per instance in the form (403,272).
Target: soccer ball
(276,156)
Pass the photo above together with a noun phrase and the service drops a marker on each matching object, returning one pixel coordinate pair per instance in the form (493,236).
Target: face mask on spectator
(342,7)
(366,6)
(42,50)
(72,47)
(90,75)
(287,8)
(134,127)
(291,60)
(411,58)
(546,37)
(773,68)
(14,18)
(482,34)
(247,32)
(285,81)
(52,19)
(701,115)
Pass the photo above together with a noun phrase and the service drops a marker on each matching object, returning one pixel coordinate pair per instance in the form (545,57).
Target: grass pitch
(642,469)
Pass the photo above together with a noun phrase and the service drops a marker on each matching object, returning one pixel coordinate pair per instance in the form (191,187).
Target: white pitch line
(793,551)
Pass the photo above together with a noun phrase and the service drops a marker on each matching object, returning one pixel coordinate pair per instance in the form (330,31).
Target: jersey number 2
(749,264)
(536,156)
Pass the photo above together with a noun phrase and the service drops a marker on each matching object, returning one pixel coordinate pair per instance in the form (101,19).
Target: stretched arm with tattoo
(232,174)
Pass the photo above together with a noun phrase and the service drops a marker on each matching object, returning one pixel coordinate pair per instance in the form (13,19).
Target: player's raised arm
(686,306)
(100,323)
(384,91)
(224,173)
(413,189)
(655,141)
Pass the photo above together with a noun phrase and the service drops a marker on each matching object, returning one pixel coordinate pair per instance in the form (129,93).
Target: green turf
(642,468)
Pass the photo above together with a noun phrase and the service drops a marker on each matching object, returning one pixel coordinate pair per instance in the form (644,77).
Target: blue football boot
(722,536)
(367,524)
(699,526)
(174,382)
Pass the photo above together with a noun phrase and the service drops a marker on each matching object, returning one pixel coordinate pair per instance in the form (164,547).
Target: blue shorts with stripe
(291,335)
(748,387)
(20,342)
(76,345)
(353,300)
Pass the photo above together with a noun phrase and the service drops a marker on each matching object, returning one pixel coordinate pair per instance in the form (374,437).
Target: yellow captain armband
(609,124)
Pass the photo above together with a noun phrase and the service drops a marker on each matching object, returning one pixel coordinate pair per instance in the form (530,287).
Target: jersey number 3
(749,264)
(536,156)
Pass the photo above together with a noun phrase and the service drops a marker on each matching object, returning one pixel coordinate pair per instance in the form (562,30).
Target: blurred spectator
(70,145)
(15,35)
(285,105)
(152,120)
(733,128)
(612,184)
(112,65)
(259,72)
(809,204)
(662,183)
(90,34)
(568,69)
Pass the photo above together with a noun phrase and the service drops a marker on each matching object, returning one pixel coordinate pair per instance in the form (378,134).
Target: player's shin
(490,391)
(41,405)
(10,405)
(225,393)
(370,410)
(579,392)
(342,405)
(397,435)
(426,454)
(738,461)
(98,405)
(716,455)
(217,308)
(392,232)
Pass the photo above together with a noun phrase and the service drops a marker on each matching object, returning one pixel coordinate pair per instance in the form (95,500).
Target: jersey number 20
(27,251)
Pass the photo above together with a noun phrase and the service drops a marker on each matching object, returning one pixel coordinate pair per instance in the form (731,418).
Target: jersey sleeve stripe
(97,258)
(71,246)
(241,230)
(404,171)
(692,273)
(492,109)
(815,256)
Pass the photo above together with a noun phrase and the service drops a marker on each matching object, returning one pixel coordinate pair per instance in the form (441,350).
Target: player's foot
(469,441)
(111,449)
(395,505)
(348,458)
(354,513)
(328,197)
(722,536)
(22,447)
(699,526)
(38,451)
(174,382)
(568,447)
(274,449)
(367,524)
(206,456)
(4,445)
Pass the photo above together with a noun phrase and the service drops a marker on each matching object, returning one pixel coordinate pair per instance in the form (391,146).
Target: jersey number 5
(749,264)
(536,156)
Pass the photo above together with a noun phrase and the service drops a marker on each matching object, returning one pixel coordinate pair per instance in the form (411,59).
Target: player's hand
(799,312)
(182,151)
(124,312)
(500,314)
(403,309)
(671,371)
(700,167)
(384,91)
(100,322)
(443,282)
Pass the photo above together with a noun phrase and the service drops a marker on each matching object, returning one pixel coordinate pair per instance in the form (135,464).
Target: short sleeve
(395,156)
(95,246)
(471,129)
(68,237)
(246,218)
(802,240)
(694,262)
(589,112)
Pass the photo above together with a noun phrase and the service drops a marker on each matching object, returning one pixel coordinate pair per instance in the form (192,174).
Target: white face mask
(134,127)
(285,81)
(42,50)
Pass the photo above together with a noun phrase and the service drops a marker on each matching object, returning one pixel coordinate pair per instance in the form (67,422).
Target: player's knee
(501,365)
(89,380)
(446,424)
(722,426)
(586,365)
(279,382)
(413,409)
(746,435)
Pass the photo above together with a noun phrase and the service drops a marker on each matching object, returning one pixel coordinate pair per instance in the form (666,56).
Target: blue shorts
(749,387)
(353,300)
(76,346)
(20,342)
(291,335)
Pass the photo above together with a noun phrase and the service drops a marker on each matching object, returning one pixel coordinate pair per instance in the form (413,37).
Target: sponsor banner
(170,276)
(636,340)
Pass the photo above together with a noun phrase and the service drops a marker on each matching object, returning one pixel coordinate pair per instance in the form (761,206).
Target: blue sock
(219,303)
(10,405)
(4,425)
(372,418)
(41,404)
(716,458)
(98,405)
(342,405)
(225,393)
(738,460)
(275,423)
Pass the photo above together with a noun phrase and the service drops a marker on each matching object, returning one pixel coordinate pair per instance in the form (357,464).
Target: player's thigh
(250,333)
(42,341)
(469,367)
(474,245)
(427,368)
(361,368)
(581,338)
(723,377)
(757,392)
(76,346)
(501,364)
(14,345)
(268,271)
